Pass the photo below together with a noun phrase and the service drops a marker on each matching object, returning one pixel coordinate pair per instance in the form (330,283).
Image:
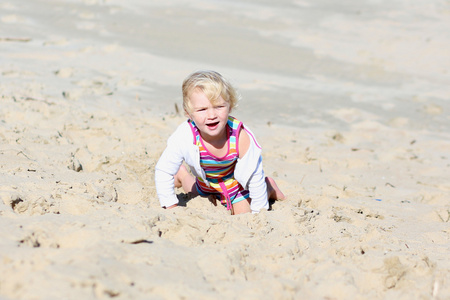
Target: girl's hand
(172,206)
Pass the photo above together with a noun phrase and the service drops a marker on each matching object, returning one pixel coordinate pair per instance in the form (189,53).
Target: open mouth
(212,125)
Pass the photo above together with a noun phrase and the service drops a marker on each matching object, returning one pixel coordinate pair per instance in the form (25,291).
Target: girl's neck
(218,146)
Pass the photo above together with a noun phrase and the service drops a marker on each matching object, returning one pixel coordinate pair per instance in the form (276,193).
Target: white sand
(349,100)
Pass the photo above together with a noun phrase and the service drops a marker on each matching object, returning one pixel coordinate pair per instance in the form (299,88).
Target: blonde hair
(213,85)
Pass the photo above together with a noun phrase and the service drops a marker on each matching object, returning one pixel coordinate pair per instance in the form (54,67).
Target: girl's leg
(185,180)
(241,207)
(273,191)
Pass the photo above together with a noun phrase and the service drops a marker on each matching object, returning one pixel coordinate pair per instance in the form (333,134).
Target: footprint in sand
(7,6)
(86,25)
(91,2)
(12,19)
(433,109)
(56,41)
(86,15)
(64,72)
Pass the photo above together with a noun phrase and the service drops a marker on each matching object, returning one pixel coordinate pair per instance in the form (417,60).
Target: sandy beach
(350,101)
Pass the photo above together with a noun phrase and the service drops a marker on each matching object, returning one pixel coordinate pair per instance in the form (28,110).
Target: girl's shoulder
(183,127)
(243,142)
(183,133)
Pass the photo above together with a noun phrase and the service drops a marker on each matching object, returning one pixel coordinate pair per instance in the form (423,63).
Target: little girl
(222,154)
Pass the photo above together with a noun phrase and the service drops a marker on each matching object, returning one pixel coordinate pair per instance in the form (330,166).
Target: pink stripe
(193,131)
(225,193)
(209,153)
(206,156)
(253,138)
(238,132)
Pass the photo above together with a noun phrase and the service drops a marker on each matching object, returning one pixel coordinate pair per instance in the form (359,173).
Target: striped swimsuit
(220,170)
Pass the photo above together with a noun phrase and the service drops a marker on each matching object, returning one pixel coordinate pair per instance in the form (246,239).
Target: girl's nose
(211,113)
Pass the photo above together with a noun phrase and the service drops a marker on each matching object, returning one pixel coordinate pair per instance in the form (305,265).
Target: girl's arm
(258,189)
(168,165)
(256,184)
(165,170)
(244,142)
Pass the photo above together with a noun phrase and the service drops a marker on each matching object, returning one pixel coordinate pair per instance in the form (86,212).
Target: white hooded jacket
(180,147)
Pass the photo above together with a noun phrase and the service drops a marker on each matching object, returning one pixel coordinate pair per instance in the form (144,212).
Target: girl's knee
(178,178)
(241,207)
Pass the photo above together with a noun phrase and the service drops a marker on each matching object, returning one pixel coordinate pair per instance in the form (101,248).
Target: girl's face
(211,119)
